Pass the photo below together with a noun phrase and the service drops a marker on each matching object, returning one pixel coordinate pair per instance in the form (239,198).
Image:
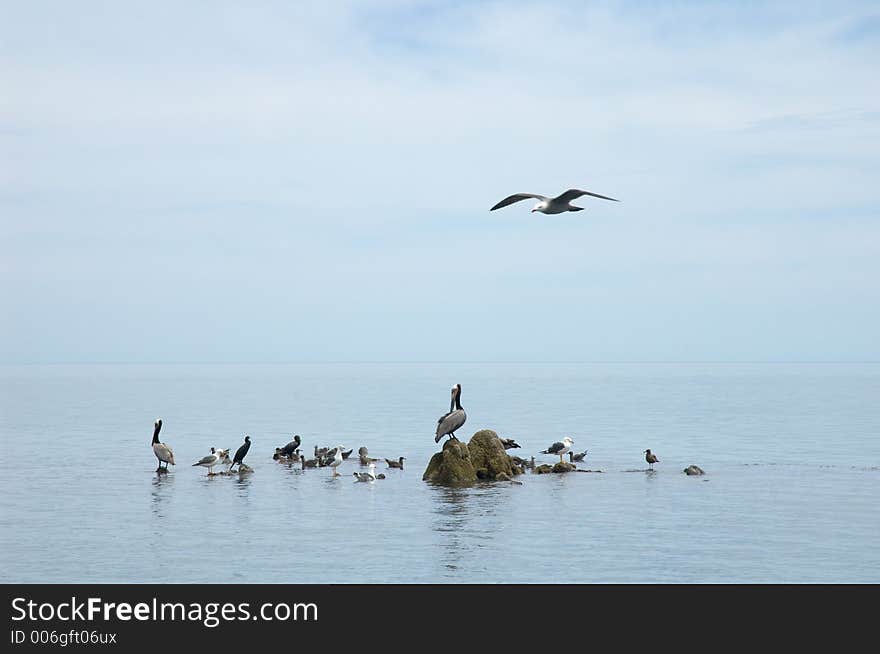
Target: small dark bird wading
(651,459)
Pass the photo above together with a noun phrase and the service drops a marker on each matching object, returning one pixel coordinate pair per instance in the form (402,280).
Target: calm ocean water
(791,451)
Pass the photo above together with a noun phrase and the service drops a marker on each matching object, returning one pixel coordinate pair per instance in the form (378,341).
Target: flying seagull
(161,450)
(450,422)
(559,204)
(560,448)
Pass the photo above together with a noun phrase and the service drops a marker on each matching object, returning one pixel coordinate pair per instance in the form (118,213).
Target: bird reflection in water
(452,513)
(464,519)
(163,485)
(243,484)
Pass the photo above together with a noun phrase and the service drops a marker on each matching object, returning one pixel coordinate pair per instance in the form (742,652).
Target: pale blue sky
(210,181)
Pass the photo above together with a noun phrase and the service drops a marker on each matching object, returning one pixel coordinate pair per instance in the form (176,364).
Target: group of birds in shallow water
(447,425)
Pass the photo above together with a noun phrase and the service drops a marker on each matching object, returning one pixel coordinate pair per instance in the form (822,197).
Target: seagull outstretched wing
(516,198)
(574,194)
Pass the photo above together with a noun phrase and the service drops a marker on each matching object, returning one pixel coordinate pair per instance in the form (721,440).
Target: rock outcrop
(488,456)
(694,470)
(483,458)
(452,465)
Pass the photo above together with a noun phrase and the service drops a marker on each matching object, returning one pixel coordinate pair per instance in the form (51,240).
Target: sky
(311,181)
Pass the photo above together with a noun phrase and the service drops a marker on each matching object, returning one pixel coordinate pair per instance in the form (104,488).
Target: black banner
(106,616)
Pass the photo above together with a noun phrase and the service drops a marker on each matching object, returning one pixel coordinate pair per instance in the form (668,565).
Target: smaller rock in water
(562,466)
(543,469)
(694,470)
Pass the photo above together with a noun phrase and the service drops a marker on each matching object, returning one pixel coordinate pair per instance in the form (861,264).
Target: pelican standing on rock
(449,423)
(560,204)
(208,461)
(161,450)
(240,453)
(560,448)
(651,459)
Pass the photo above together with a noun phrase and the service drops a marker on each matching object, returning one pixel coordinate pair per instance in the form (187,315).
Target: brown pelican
(559,204)
(209,461)
(651,459)
(161,450)
(449,423)
(396,464)
(241,452)
(559,448)
(509,443)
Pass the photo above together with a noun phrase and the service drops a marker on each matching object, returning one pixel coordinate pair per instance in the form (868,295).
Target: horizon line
(434,361)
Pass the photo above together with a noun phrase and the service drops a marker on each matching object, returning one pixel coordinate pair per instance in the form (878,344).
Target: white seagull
(559,204)
(337,459)
(560,448)
(209,461)
(161,450)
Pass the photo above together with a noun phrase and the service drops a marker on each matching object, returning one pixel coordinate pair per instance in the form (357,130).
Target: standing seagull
(449,423)
(241,452)
(559,204)
(161,450)
(208,461)
(651,459)
(337,459)
(577,457)
(559,448)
